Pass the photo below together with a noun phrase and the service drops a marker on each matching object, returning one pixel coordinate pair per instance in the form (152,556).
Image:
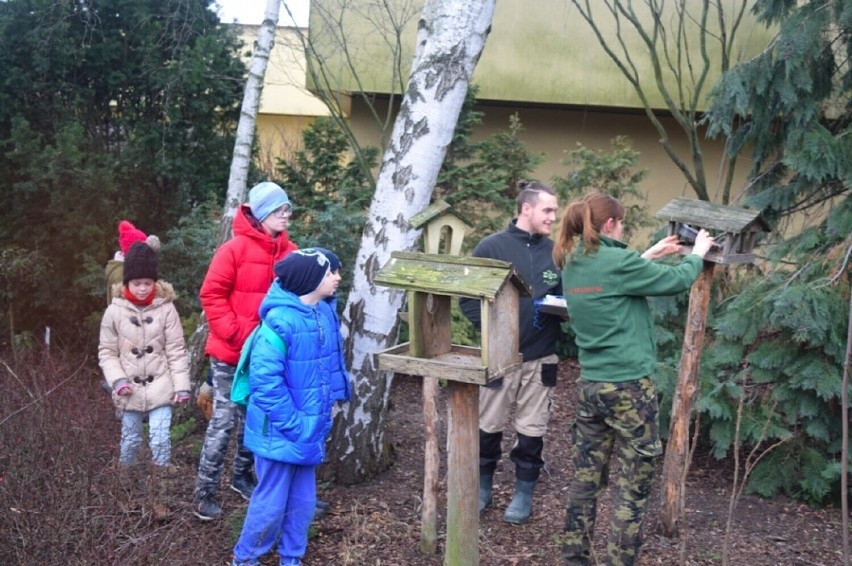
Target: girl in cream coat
(143,355)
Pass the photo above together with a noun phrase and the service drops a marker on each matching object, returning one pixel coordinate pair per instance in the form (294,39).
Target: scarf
(140,303)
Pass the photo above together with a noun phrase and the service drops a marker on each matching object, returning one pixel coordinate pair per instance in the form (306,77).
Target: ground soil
(63,499)
(378,522)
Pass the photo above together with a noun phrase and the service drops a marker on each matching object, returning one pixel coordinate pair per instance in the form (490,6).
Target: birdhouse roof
(712,216)
(473,277)
(435,210)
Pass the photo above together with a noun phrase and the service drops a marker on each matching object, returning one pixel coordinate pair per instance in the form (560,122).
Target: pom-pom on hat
(153,242)
(266,197)
(140,262)
(302,271)
(128,234)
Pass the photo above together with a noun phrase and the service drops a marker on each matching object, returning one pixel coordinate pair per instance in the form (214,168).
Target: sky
(251,11)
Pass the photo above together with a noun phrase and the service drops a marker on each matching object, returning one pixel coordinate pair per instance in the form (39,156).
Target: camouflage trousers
(227,417)
(619,418)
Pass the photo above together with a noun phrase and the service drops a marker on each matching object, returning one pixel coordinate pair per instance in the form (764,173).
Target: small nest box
(440,218)
(431,281)
(734,229)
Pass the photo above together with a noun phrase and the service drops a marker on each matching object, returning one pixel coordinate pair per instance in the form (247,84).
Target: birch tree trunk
(451,36)
(239,162)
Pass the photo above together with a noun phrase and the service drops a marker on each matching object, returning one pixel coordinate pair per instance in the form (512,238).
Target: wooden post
(431,466)
(676,464)
(463,476)
(431,336)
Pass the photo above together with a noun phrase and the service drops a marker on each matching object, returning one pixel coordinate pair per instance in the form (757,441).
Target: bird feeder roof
(473,277)
(713,216)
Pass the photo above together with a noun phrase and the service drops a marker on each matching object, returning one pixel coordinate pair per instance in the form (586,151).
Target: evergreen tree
(108,110)
(781,340)
(330,193)
(611,172)
(479,178)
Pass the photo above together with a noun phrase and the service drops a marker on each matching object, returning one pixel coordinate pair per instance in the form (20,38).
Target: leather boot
(518,511)
(485,497)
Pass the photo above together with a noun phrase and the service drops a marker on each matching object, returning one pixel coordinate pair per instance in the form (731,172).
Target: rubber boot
(518,511)
(485,497)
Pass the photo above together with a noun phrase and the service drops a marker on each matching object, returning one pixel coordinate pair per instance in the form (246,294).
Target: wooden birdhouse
(734,229)
(437,220)
(432,280)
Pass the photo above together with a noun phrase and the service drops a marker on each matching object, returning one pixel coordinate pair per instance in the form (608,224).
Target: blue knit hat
(266,197)
(302,271)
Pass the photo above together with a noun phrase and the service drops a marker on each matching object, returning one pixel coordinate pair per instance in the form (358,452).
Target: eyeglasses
(282,211)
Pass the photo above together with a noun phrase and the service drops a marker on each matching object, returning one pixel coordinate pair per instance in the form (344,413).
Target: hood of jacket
(278,296)
(245,224)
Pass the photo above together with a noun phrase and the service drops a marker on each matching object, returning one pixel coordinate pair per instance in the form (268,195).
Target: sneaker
(244,485)
(235,562)
(207,510)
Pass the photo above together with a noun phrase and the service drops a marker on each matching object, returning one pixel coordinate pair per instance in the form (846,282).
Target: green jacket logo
(550,277)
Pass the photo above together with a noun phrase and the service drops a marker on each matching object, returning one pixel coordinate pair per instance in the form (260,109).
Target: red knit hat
(128,234)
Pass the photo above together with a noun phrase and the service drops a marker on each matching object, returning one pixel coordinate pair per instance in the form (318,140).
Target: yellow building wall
(538,51)
(555,130)
(286,105)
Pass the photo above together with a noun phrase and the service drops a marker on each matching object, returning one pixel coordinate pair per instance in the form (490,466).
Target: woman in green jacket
(605,287)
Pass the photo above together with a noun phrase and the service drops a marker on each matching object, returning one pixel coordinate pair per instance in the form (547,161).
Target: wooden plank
(500,330)
(721,258)
(462,363)
(463,476)
(429,324)
(703,214)
(431,468)
(435,210)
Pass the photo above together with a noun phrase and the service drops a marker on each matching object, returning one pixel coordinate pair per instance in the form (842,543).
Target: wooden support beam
(430,333)
(463,476)
(676,462)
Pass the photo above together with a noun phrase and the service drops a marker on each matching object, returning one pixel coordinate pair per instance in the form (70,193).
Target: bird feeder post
(735,231)
(439,222)
(431,280)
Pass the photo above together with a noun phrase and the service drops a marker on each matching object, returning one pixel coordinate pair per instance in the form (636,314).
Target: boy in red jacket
(236,282)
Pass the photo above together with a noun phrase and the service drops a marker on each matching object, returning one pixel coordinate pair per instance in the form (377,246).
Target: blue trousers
(280,511)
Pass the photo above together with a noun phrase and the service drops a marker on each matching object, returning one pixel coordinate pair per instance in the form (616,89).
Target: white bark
(239,163)
(451,36)
(248,117)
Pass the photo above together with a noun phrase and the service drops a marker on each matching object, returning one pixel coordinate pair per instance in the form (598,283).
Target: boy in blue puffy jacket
(288,415)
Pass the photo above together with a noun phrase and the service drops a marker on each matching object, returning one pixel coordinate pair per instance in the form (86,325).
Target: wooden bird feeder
(431,281)
(735,229)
